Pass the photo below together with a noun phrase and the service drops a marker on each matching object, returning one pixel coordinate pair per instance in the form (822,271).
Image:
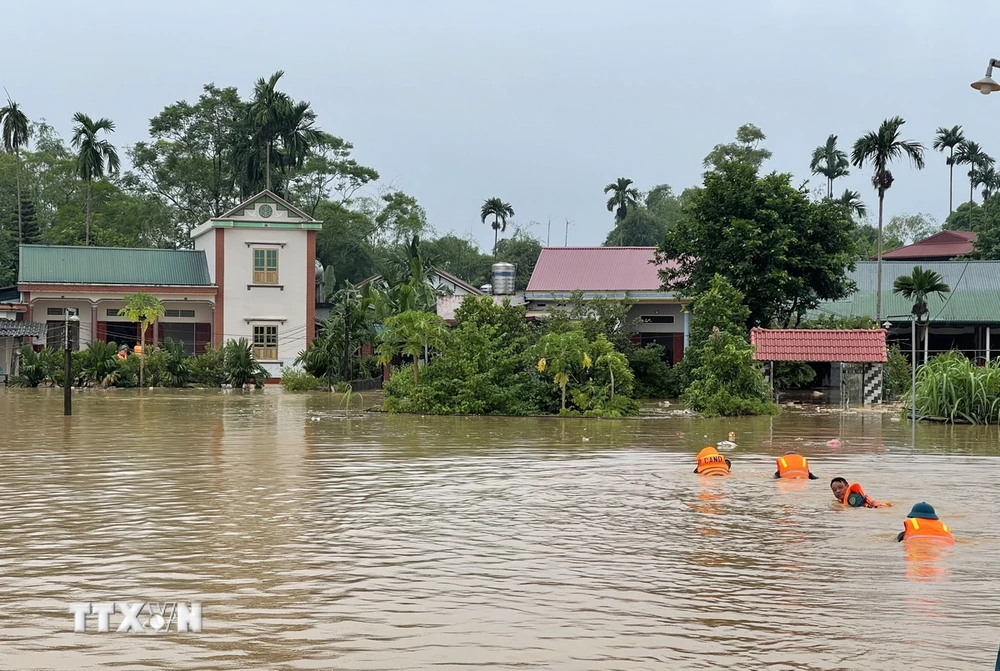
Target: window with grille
(265,342)
(178,313)
(265,266)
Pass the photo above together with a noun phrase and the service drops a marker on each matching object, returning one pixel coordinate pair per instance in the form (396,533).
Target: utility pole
(548,234)
(566,243)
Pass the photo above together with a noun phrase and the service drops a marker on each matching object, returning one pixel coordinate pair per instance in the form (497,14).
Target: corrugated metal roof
(974,296)
(943,246)
(595,269)
(842,345)
(50,264)
(12,329)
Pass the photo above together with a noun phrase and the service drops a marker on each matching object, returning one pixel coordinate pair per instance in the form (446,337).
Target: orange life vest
(869,503)
(793,466)
(711,462)
(933,530)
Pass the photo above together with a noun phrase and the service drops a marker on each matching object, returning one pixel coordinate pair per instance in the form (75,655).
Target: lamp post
(987,84)
(70,318)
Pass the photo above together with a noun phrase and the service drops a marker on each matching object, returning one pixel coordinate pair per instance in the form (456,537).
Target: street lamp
(70,315)
(987,84)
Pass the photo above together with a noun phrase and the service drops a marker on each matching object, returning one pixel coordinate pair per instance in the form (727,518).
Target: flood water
(315,540)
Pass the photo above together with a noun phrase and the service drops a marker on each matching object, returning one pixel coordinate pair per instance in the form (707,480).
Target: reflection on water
(321,541)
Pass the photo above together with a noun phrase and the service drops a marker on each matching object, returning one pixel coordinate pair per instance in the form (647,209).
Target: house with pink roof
(614,273)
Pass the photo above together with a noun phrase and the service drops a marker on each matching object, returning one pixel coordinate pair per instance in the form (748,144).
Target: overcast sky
(540,103)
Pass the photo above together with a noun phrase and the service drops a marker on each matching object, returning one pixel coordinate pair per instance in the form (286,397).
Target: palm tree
(949,138)
(917,287)
(855,206)
(16,132)
(989,179)
(972,155)
(880,148)
(95,157)
(623,194)
(145,310)
(830,162)
(501,212)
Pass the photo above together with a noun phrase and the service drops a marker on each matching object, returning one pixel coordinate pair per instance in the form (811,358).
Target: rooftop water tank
(486,288)
(503,278)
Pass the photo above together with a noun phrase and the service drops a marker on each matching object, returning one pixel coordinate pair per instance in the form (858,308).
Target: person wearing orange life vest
(793,465)
(710,462)
(853,495)
(923,524)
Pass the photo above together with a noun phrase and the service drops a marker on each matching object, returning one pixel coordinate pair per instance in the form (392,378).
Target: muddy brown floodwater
(315,540)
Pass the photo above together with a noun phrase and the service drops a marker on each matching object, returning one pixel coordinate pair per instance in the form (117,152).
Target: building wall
(659,311)
(206,243)
(283,305)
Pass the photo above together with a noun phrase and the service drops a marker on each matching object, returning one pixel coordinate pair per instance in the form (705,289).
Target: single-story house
(617,274)
(965,319)
(14,329)
(942,246)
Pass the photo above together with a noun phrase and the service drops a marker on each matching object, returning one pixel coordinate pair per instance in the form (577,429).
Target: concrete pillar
(871,384)
(687,328)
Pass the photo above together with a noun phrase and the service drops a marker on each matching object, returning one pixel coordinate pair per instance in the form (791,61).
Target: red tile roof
(944,245)
(844,345)
(595,269)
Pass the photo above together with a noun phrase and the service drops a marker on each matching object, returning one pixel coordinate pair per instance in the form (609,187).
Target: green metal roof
(974,296)
(50,264)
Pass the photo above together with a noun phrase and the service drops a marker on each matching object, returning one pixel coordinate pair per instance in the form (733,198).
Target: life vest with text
(932,530)
(793,466)
(710,462)
(854,494)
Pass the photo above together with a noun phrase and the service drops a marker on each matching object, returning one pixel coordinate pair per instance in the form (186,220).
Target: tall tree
(501,212)
(785,252)
(623,195)
(746,149)
(95,156)
(880,148)
(855,206)
(16,132)
(971,154)
(830,162)
(946,139)
(989,179)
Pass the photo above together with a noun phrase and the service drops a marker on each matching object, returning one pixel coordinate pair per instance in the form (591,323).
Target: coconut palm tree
(830,162)
(95,157)
(623,195)
(855,206)
(501,212)
(948,139)
(16,132)
(880,148)
(916,287)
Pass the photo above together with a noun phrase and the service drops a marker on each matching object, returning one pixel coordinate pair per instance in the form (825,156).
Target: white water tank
(486,288)
(503,278)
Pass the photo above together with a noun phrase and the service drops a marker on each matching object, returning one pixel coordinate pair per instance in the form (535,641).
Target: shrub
(897,374)
(951,386)
(34,368)
(209,369)
(176,367)
(99,363)
(654,378)
(299,380)
(241,368)
(793,374)
(728,382)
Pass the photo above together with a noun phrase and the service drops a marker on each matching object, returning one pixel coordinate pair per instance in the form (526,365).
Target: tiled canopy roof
(943,246)
(595,269)
(844,346)
(12,329)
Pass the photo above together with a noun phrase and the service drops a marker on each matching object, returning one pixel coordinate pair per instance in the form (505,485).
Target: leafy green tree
(501,212)
(95,157)
(746,149)
(728,382)
(463,259)
(783,251)
(400,218)
(145,310)
(880,148)
(16,133)
(639,228)
(866,242)
(522,249)
(909,228)
(412,333)
(623,196)
(335,354)
(986,219)
(344,242)
(916,287)
(946,139)
(830,162)
(563,356)
(330,172)
(966,217)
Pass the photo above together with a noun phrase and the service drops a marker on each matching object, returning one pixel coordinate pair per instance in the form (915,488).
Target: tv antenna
(568,224)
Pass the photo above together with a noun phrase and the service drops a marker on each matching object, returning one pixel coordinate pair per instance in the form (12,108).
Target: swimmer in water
(853,495)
